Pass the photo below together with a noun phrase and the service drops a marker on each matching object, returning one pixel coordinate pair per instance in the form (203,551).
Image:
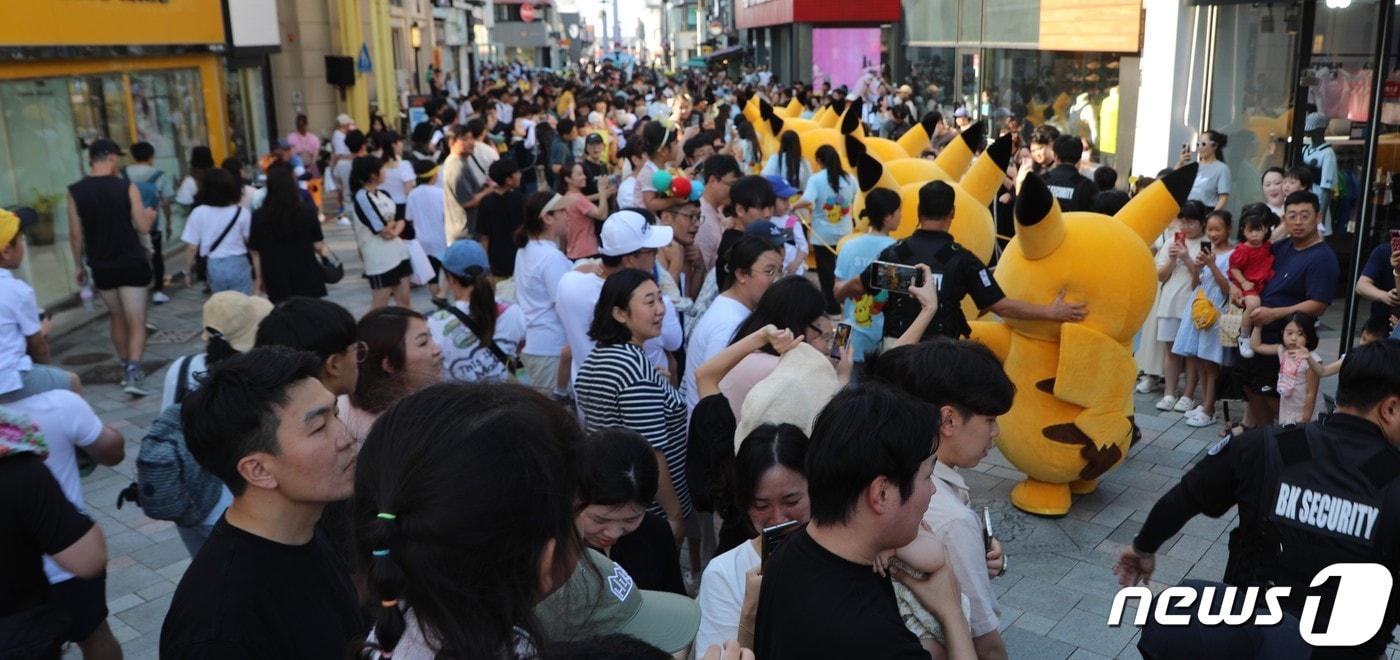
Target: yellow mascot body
(1072,419)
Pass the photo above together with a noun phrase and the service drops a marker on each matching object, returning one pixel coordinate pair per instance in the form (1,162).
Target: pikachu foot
(1041,498)
(1083,487)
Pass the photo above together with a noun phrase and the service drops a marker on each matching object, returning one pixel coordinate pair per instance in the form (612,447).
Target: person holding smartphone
(1377,281)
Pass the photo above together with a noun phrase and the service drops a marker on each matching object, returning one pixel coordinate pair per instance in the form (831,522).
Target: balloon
(680,188)
(661,181)
(696,189)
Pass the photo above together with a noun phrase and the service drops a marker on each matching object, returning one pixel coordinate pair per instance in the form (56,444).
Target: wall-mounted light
(415,35)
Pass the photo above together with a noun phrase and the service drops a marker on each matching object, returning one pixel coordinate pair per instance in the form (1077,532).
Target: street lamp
(415,39)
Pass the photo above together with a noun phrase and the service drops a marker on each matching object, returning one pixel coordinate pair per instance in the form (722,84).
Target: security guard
(1309,497)
(956,273)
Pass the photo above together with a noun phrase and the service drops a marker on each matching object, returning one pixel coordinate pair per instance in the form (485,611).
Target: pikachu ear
(869,173)
(1149,213)
(851,121)
(765,109)
(957,156)
(916,139)
(1039,227)
(987,173)
(855,151)
(777,123)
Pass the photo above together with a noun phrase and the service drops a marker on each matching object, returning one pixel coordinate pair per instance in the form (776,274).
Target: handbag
(201,261)
(332,270)
(1230,320)
(1203,312)
(512,364)
(423,271)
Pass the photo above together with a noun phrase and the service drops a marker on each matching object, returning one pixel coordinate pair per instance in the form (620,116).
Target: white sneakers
(1246,348)
(1198,418)
(1184,404)
(1146,384)
(160,298)
(343,221)
(1166,403)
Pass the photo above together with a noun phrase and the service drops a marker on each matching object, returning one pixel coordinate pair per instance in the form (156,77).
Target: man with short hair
(265,584)
(561,151)
(462,189)
(718,173)
(105,221)
(320,327)
(1074,191)
(1305,280)
(156,193)
(821,596)
(1043,148)
(482,153)
(967,384)
(355,146)
(501,212)
(957,273)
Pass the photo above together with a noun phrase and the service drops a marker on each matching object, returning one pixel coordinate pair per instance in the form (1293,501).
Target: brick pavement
(1054,598)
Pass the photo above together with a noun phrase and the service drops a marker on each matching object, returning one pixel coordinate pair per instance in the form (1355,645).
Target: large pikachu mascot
(1073,416)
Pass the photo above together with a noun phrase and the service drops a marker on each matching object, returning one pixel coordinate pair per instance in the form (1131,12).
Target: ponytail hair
(362,170)
(831,162)
(482,303)
(1220,140)
(533,224)
(790,153)
(880,204)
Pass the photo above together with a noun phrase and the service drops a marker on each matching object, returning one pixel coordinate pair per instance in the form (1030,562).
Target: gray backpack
(170,484)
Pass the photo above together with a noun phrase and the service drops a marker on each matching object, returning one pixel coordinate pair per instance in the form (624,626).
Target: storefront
(254,35)
(520,32)
(816,41)
(1267,67)
(69,77)
(1045,61)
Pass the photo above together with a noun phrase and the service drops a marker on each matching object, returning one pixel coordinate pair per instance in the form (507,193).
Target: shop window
(931,72)
(247,119)
(169,108)
(99,109)
(930,20)
(1012,22)
(1076,93)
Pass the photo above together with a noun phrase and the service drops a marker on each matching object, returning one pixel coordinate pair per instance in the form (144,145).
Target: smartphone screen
(1394,241)
(1205,247)
(841,340)
(1179,237)
(987,528)
(775,535)
(897,278)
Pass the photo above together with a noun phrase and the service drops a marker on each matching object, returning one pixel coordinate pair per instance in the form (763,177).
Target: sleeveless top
(104,208)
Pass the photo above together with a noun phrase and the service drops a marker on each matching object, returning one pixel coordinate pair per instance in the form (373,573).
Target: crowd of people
(631,424)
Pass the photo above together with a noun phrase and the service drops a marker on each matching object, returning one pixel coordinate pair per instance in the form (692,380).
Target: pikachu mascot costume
(1072,419)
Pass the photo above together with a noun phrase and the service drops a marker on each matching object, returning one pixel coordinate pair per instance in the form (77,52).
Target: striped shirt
(617,386)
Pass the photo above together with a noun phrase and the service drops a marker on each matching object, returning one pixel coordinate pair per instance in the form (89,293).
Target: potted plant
(44,205)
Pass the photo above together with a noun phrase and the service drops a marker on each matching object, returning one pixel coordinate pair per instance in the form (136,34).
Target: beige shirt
(708,235)
(957,525)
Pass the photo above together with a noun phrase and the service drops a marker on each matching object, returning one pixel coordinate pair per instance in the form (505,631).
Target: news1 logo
(1363,591)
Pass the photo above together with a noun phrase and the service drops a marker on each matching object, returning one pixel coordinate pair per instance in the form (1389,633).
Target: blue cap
(462,256)
(781,187)
(767,231)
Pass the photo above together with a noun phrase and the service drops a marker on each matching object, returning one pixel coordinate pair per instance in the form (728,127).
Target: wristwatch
(1005,561)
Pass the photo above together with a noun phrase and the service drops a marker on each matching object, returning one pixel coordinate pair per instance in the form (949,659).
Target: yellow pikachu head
(1092,258)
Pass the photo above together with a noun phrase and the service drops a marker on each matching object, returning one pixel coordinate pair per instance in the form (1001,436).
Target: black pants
(157,261)
(826,274)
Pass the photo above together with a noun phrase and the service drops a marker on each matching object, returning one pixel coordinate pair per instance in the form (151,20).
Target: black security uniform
(1073,190)
(1309,496)
(956,273)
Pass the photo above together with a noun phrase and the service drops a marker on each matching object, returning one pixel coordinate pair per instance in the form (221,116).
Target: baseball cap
(593,138)
(14,220)
(1314,121)
(462,256)
(600,598)
(103,147)
(781,187)
(769,232)
(343,119)
(235,316)
(960,112)
(626,232)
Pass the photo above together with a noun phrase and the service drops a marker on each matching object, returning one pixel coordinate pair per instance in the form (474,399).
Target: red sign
(527,12)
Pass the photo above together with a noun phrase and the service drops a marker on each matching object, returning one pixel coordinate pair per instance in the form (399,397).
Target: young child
(1179,279)
(1251,266)
(794,236)
(24,346)
(924,556)
(1376,328)
(1299,396)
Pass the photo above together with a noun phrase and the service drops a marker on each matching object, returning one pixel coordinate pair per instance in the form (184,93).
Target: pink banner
(842,55)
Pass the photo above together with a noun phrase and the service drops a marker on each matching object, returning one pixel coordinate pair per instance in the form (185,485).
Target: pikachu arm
(1095,373)
(995,335)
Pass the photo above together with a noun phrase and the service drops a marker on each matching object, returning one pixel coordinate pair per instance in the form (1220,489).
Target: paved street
(1055,596)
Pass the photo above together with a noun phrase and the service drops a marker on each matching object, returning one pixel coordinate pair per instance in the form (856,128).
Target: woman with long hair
(398,172)
(791,304)
(217,230)
(377,232)
(1212,185)
(480,335)
(539,264)
(831,196)
(455,573)
(858,305)
(400,359)
(286,240)
(788,162)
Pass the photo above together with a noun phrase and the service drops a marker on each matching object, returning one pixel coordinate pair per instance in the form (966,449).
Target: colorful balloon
(661,181)
(680,187)
(697,188)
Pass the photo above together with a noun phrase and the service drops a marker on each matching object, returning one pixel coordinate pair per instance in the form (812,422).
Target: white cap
(344,119)
(626,232)
(595,118)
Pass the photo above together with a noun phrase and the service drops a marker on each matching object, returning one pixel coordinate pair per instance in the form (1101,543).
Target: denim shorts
(39,379)
(231,274)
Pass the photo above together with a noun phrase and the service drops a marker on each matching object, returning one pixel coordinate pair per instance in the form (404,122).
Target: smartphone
(1179,237)
(841,340)
(1394,241)
(897,278)
(774,536)
(1205,247)
(987,528)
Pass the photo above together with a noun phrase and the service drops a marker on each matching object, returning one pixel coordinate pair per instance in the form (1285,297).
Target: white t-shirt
(464,357)
(480,159)
(67,422)
(207,222)
(721,595)
(1176,291)
(370,214)
(395,178)
(428,213)
(538,268)
(185,194)
(19,319)
(798,242)
(338,146)
(627,193)
(710,336)
(172,377)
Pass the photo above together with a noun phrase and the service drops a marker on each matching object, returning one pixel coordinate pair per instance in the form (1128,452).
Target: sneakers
(1184,404)
(343,221)
(133,380)
(160,298)
(1246,349)
(1167,403)
(1198,418)
(1146,384)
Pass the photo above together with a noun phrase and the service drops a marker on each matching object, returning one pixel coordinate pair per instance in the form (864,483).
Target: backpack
(170,484)
(150,193)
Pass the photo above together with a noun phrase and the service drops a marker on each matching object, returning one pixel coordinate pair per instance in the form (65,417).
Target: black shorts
(138,275)
(1259,375)
(390,278)
(85,601)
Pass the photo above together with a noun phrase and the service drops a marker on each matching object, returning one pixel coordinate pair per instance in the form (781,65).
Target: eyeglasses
(772,272)
(361,351)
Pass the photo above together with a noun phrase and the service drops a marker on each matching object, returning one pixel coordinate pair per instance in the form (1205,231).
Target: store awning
(725,53)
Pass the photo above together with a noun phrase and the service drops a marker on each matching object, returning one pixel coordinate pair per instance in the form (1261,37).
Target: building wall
(299,71)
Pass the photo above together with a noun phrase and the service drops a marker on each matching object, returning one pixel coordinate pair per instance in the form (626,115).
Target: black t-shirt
(104,207)
(962,273)
(244,596)
(288,255)
(498,216)
(1074,191)
(814,604)
(593,170)
(36,520)
(649,554)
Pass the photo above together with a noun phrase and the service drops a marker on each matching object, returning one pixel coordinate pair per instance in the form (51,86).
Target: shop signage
(111,23)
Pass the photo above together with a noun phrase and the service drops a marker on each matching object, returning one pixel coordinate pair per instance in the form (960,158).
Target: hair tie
(380,553)
(393,602)
(387,516)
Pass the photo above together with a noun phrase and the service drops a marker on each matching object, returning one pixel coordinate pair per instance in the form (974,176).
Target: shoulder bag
(201,261)
(512,364)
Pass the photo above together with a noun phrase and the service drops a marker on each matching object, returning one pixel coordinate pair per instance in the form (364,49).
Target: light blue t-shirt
(831,209)
(867,323)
